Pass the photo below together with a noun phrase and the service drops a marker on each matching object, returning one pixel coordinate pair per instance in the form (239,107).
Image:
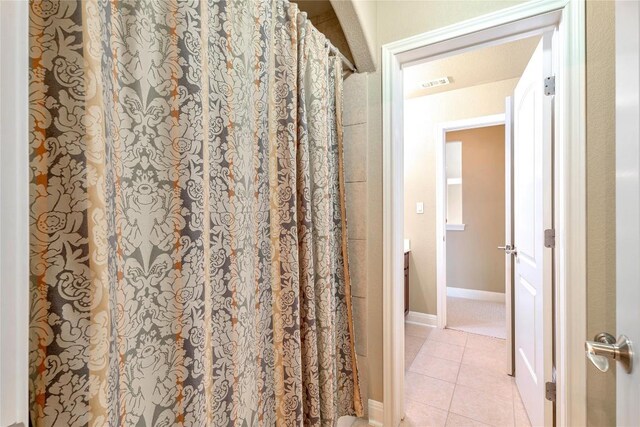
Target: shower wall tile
(355,154)
(363,371)
(360,324)
(354,98)
(355,164)
(356,209)
(358,267)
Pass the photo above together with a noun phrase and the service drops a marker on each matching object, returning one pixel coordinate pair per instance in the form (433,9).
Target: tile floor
(477,317)
(454,378)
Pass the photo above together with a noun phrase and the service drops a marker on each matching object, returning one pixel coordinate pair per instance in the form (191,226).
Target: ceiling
(314,7)
(490,64)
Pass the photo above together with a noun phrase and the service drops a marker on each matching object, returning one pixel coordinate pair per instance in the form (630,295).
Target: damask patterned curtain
(188,228)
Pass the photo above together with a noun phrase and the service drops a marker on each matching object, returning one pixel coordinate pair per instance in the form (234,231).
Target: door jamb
(14,213)
(570,187)
(441,202)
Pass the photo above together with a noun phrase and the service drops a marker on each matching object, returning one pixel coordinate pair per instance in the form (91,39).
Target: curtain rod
(332,48)
(344,59)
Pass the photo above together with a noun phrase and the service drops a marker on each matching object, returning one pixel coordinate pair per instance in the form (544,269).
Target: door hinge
(550,85)
(549,238)
(550,391)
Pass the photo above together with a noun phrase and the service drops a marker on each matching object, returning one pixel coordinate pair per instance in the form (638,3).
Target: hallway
(454,378)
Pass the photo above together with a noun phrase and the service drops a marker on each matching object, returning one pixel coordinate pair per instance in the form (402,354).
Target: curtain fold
(188,230)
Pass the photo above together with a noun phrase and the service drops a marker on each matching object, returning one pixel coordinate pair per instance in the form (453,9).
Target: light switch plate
(420,207)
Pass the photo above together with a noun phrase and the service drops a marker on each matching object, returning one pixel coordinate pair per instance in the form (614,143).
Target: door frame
(508,24)
(441,202)
(14,213)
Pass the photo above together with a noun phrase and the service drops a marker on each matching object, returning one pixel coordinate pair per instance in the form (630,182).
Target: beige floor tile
(493,382)
(427,390)
(486,359)
(450,336)
(421,415)
(442,369)
(413,343)
(409,357)
(443,350)
(483,342)
(455,420)
(480,406)
(520,413)
(477,317)
(414,330)
(349,421)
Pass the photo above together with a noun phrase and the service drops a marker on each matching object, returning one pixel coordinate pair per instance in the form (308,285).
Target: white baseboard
(475,294)
(421,318)
(375,413)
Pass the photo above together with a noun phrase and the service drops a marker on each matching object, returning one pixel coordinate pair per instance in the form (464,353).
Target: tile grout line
(474,388)
(513,405)
(465,346)
(355,124)
(456,383)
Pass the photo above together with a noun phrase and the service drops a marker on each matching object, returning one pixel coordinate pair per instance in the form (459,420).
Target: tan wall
(601,220)
(421,117)
(400,19)
(473,261)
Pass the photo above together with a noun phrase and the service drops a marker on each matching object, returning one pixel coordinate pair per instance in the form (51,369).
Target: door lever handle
(509,250)
(605,347)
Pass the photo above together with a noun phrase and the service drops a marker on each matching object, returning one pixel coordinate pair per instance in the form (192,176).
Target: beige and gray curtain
(188,227)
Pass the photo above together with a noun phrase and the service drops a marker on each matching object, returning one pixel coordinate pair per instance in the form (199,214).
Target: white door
(532,215)
(628,205)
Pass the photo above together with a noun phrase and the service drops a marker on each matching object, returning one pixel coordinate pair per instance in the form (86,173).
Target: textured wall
(601,203)
(422,115)
(473,260)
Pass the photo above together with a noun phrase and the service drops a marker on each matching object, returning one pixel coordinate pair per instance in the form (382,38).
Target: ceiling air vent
(440,81)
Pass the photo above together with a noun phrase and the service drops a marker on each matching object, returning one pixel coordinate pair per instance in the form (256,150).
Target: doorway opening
(457,197)
(551,237)
(475,266)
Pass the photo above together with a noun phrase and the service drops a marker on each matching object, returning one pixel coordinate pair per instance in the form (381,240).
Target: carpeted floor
(477,317)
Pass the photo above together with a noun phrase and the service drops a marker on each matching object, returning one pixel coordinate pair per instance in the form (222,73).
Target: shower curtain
(188,228)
